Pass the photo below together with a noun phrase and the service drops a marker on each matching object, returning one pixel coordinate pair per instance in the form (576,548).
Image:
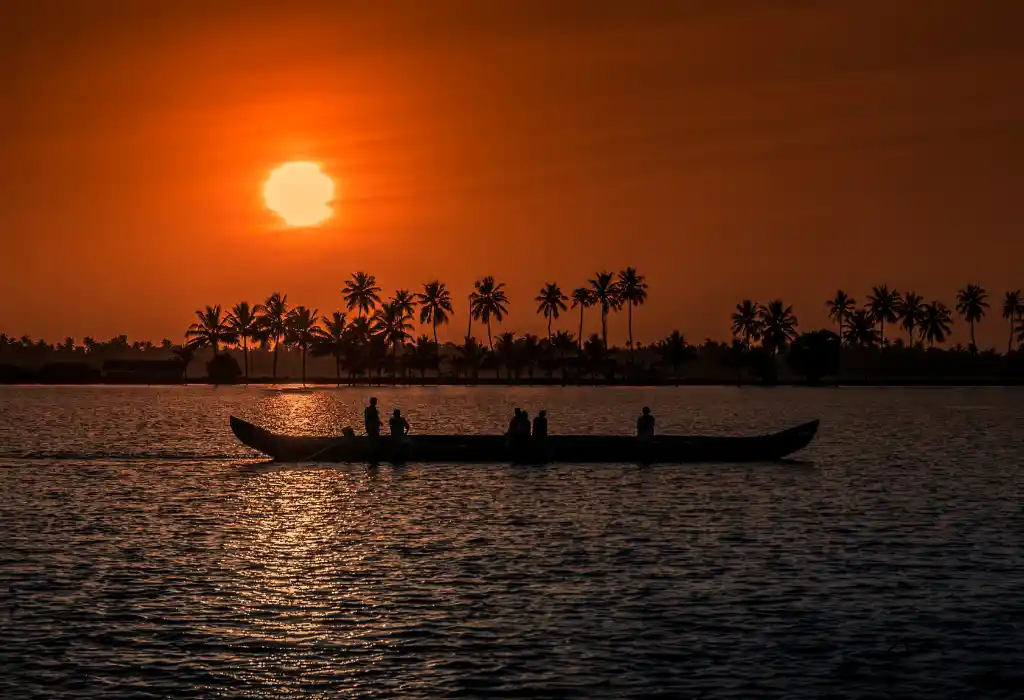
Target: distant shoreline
(330,383)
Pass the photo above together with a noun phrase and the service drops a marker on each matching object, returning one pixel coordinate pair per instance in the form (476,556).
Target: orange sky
(731,149)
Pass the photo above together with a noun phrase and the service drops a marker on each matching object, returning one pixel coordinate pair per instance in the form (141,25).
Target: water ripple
(156,559)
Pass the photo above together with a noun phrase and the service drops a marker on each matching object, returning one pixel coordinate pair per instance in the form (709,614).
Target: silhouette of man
(516,423)
(398,424)
(371,418)
(524,424)
(540,425)
(645,425)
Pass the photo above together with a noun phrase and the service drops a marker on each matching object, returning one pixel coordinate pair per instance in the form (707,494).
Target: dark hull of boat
(498,448)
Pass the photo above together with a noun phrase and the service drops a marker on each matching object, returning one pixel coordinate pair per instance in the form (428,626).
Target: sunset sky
(726,148)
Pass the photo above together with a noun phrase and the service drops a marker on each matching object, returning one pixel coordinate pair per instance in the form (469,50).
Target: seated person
(540,425)
(645,425)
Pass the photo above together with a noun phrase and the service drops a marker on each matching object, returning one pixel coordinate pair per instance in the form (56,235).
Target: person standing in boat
(524,424)
(371,418)
(540,425)
(645,424)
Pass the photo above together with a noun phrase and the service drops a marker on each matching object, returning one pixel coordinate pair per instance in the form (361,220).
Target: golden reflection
(300,556)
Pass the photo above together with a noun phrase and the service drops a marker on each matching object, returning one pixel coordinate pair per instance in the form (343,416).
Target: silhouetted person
(515,424)
(524,424)
(540,425)
(371,418)
(645,425)
(398,424)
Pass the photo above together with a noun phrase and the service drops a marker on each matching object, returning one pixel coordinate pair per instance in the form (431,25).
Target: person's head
(543,414)
(647,411)
(373,400)
(519,411)
(397,413)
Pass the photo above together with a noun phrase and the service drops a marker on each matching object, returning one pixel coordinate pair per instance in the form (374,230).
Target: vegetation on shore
(374,337)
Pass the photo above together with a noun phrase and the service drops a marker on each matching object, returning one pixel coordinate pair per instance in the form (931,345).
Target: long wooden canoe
(499,448)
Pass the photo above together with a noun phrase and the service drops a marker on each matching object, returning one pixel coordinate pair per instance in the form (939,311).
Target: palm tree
(488,300)
(210,331)
(551,302)
(435,304)
(778,325)
(935,322)
(392,326)
(302,331)
(840,307)
(746,322)
(273,316)
(529,352)
(405,301)
(860,329)
(423,354)
(632,292)
(606,293)
(910,308)
(1013,309)
(882,305)
(244,323)
(334,340)
(506,353)
(582,297)
(361,292)
(971,302)
(673,351)
(563,343)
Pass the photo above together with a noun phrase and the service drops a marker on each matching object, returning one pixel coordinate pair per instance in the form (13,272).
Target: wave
(72,456)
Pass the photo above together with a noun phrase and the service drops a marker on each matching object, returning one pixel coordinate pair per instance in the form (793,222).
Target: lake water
(147,554)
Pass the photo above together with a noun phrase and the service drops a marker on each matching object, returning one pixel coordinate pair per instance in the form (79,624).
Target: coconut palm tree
(860,329)
(1013,309)
(244,323)
(606,294)
(582,297)
(405,301)
(673,351)
(529,350)
(778,325)
(882,305)
(273,316)
(422,355)
(632,292)
(392,326)
(746,322)
(910,308)
(505,353)
(551,302)
(211,330)
(487,301)
(302,331)
(333,340)
(840,307)
(971,302)
(935,322)
(361,292)
(435,304)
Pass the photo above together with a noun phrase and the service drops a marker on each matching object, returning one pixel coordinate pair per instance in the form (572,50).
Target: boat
(669,449)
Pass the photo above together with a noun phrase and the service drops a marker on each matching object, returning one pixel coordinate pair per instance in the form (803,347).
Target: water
(146,553)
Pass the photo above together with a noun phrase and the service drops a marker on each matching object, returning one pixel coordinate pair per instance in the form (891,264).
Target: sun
(300,193)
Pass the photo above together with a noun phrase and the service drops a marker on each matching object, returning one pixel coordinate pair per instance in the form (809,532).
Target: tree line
(374,334)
